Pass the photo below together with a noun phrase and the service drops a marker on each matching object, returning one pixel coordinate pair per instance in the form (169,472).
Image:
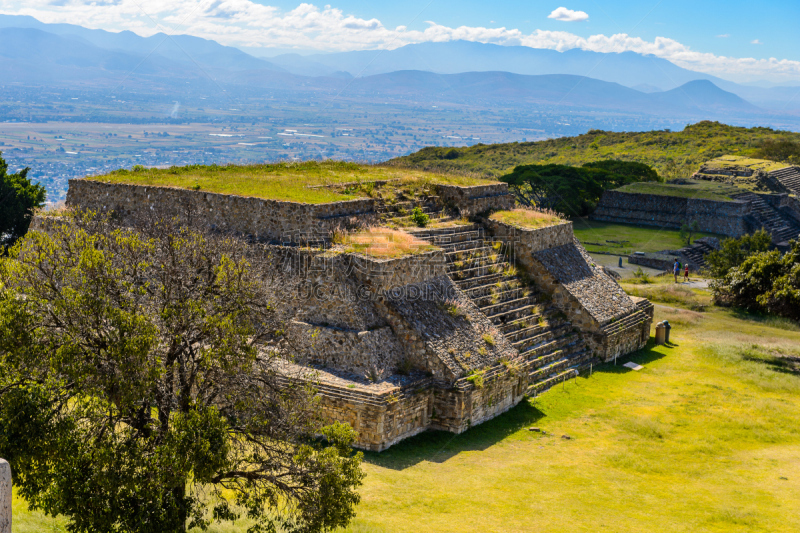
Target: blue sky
(698,24)
(734,39)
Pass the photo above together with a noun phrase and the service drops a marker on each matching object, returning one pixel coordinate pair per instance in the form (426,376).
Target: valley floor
(704,438)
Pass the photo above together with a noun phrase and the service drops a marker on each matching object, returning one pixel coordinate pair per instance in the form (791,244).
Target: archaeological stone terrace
(444,339)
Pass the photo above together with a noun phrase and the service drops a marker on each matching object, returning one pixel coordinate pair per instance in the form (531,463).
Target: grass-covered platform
(308,182)
(699,189)
(731,162)
(526,218)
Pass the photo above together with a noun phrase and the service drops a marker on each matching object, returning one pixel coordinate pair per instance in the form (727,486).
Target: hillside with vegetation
(674,154)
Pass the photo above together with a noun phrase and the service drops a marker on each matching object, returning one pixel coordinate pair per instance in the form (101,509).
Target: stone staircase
(400,213)
(695,254)
(780,227)
(480,267)
(789,177)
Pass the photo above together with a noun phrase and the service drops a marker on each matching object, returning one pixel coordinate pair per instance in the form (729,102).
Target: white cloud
(568,15)
(249,24)
(724,36)
(756,41)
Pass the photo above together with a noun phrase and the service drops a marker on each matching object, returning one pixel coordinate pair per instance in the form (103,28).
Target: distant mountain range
(32,52)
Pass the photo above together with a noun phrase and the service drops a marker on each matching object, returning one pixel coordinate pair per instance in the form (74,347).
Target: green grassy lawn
(299,182)
(595,236)
(700,189)
(704,439)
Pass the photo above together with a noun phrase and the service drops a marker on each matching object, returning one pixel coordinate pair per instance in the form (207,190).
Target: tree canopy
(781,150)
(573,191)
(140,390)
(734,251)
(19,198)
(765,282)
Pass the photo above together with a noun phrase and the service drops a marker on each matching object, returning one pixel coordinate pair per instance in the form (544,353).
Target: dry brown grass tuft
(528,218)
(384,243)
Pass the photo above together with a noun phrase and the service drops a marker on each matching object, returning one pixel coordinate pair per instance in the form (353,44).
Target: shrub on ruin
(419,217)
(140,387)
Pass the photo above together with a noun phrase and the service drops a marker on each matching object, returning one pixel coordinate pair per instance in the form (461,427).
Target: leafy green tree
(764,282)
(733,252)
(19,198)
(574,191)
(688,230)
(625,171)
(140,392)
(784,150)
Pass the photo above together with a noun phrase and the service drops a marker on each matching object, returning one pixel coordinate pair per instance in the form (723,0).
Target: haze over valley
(77,101)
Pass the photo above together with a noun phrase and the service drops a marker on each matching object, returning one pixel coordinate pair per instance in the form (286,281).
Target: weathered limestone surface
(262,219)
(5,496)
(477,199)
(526,241)
(725,218)
(363,352)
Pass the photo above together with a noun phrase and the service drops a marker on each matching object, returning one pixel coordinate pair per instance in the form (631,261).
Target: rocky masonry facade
(269,220)
(394,346)
(477,199)
(724,218)
(591,300)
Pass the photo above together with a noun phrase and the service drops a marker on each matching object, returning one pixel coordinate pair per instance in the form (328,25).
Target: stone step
(497,309)
(448,231)
(544,320)
(518,334)
(543,385)
(466,273)
(557,344)
(481,291)
(548,370)
(445,239)
(498,297)
(476,262)
(468,283)
(512,315)
(525,343)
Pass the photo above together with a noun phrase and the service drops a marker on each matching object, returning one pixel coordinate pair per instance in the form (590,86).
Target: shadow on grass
(439,446)
(642,357)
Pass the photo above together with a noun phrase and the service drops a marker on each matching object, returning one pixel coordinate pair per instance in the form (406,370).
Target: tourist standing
(686,272)
(676,269)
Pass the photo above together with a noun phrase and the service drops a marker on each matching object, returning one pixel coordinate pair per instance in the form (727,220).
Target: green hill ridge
(673,153)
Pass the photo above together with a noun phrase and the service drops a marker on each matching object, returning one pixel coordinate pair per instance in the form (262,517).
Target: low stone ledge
(476,199)
(364,352)
(527,241)
(387,275)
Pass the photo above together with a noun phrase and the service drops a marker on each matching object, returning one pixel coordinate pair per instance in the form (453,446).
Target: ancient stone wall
(375,351)
(382,275)
(269,220)
(725,218)
(526,241)
(477,199)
